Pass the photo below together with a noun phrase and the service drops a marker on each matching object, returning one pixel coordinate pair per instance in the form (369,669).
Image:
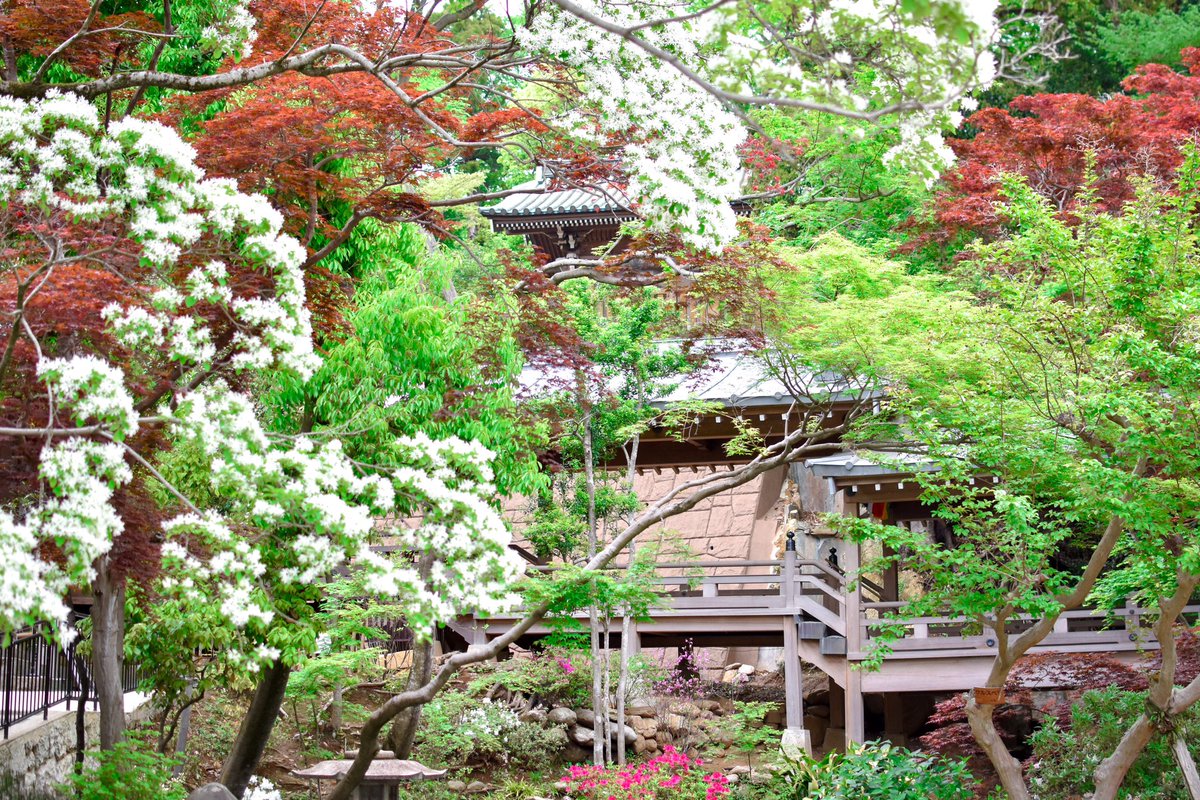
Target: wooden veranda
(806,607)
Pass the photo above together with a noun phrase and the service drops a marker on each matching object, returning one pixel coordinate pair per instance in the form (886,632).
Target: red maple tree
(1048,139)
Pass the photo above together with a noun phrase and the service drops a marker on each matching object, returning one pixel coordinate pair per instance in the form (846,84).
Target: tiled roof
(537,201)
(731,376)
(850,464)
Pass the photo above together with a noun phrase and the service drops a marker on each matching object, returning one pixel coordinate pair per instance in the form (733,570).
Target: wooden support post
(891,578)
(856,730)
(796,738)
(787,574)
(855,723)
(893,718)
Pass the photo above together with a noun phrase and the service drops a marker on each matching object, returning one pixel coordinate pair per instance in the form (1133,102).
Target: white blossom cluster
(233,32)
(324,516)
(295,509)
(91,388)
(489,719)
(921,60)
(683,162)
(260,788)
(79,516)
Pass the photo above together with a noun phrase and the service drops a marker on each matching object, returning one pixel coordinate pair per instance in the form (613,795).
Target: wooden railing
(1083,629)
(815,591)
(776,587)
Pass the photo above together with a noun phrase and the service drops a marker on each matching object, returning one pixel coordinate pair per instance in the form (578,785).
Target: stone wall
(734,525)
(39,755)
(744,523)
(42,757)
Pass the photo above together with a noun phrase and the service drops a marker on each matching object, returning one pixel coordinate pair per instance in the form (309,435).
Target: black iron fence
(37,674)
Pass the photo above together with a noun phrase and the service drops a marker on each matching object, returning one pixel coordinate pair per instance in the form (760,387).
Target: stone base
(795,743)
(835,739)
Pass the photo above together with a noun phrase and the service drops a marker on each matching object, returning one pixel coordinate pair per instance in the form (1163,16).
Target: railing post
(8,685)
(854,617)
(46,680)
(787,576)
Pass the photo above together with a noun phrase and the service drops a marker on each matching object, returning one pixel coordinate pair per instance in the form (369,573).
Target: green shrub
(555,677)
(1064,759)
(130,771)
(458,729)
(874,769)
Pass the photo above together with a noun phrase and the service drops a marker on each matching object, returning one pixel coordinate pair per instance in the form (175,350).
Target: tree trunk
(1187,765)
(598,711)
(1110,774)
(589,472)
(404,728)
(256,728)
(335,708)
(623,683)
(108,653)
(80,712)
(606,692)
(1007,767)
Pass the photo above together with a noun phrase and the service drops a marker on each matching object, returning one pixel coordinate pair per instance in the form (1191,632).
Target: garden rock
(534,715)
(721,736)
(585,716)
(816,726)
(211,791)
(476,787)
(746,669)
(582,736)
(644,727)
(687,709)
(456,786)
(574,754)
(640,711)
(562,716)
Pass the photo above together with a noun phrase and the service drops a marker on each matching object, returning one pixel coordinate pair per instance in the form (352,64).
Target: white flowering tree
(130,203)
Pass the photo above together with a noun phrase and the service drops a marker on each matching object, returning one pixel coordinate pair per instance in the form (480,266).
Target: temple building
(776,585)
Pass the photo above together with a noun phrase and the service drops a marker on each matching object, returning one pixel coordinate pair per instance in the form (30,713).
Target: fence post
(8,689)
(46,680)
